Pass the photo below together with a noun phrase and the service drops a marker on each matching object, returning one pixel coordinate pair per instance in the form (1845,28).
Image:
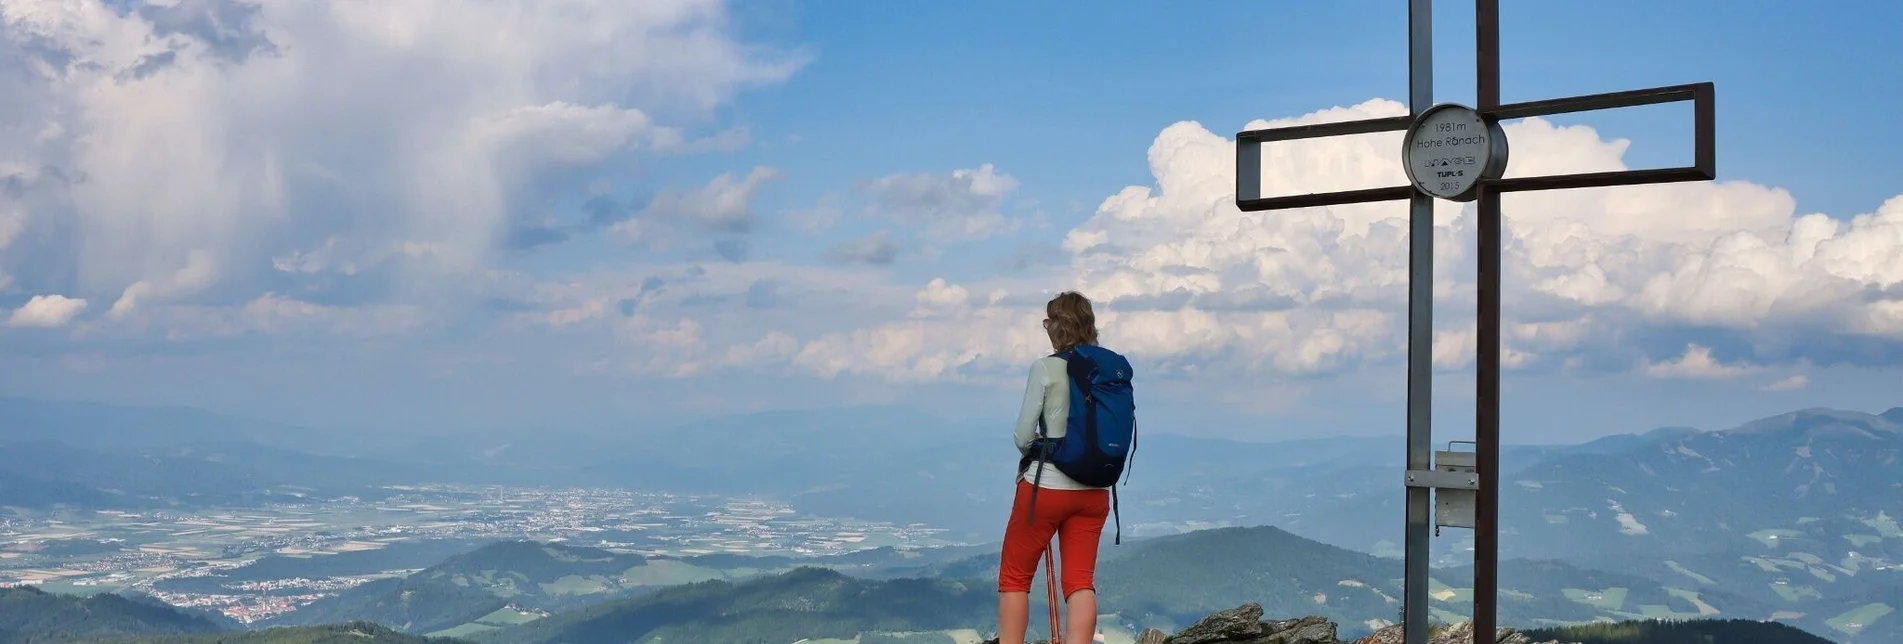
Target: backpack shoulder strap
(1039,454)
(1043,432)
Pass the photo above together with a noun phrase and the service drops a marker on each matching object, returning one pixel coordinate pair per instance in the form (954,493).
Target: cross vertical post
(1420,339)
(1486,518)
(1459,154)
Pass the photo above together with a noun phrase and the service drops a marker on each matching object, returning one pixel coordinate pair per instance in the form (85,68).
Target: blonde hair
(1070,321)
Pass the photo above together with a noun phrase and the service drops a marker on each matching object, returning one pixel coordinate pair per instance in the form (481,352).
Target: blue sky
(356,217)
(1061,97)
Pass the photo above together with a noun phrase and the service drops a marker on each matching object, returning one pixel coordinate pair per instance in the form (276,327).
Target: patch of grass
(1608,599)
(1853,563)
(1885,525)
(1792,592)
(668,572)
(1688,573)
(503,617)
(1444,615)
(1661,611)
(577,585)
(1771,537)
(1691,597)
(1441,591)
(1861,540)
(1853,621)
(1772,565)
(464,630)
(507,616)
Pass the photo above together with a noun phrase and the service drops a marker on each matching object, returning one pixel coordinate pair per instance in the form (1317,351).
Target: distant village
(140,550)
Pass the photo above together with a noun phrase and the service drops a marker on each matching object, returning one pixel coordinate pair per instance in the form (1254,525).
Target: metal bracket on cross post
(1458,153)
(1454,482)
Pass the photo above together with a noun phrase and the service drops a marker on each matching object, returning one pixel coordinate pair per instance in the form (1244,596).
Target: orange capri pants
(1075,516)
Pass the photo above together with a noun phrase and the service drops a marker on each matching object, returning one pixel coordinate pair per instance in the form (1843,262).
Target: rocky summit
(1244,625)
(1461,633)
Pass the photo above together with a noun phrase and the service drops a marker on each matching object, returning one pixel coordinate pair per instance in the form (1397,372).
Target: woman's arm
(1032,408)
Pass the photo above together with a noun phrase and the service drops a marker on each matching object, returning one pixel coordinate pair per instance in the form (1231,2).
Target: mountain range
(1795,515)
(1167,583)
(1161,582)
(513,582)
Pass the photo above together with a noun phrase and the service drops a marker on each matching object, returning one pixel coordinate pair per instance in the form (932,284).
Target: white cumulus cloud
(724,204)
(1697,363)
(964,205)
(199,151)
(1601,279)
(46,311)
(1792,383)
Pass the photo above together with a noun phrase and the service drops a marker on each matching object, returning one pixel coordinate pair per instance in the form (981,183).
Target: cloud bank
(1702,280)
(204,169)
(225,153)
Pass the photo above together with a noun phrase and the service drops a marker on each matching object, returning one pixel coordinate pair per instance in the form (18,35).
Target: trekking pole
(1050,589)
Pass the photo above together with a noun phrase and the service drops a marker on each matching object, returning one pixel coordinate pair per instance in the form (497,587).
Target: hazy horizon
(968,427)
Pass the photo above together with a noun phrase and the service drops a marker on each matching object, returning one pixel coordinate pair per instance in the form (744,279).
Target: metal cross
(1457,153)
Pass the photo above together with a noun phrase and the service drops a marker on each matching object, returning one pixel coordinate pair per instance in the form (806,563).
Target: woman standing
(1074,512)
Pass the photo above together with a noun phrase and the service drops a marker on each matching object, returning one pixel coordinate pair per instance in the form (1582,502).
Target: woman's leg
(1080,616)
(1014,616)
(1077,539)
(1017,563)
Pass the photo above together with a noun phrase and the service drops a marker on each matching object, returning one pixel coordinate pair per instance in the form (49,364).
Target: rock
(1236,624)
(1313,629)
(1384,635)
(1461,633)
(1244,625)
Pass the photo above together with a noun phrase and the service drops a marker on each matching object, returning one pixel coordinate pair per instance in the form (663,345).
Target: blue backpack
(1100,430)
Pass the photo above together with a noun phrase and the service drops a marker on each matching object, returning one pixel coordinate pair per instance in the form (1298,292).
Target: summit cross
(1459,153)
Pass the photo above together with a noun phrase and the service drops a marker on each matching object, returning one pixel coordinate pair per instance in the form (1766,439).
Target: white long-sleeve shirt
(1048,395)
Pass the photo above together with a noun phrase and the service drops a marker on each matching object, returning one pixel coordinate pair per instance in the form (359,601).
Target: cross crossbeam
(1703,168)
(1464,158)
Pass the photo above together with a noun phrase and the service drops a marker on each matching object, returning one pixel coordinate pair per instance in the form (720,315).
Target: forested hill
(347,633)
(1702,631)
(466,587)
(804,603)
(31,616)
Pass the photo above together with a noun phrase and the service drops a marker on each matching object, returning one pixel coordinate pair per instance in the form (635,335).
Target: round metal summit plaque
(1450,148)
